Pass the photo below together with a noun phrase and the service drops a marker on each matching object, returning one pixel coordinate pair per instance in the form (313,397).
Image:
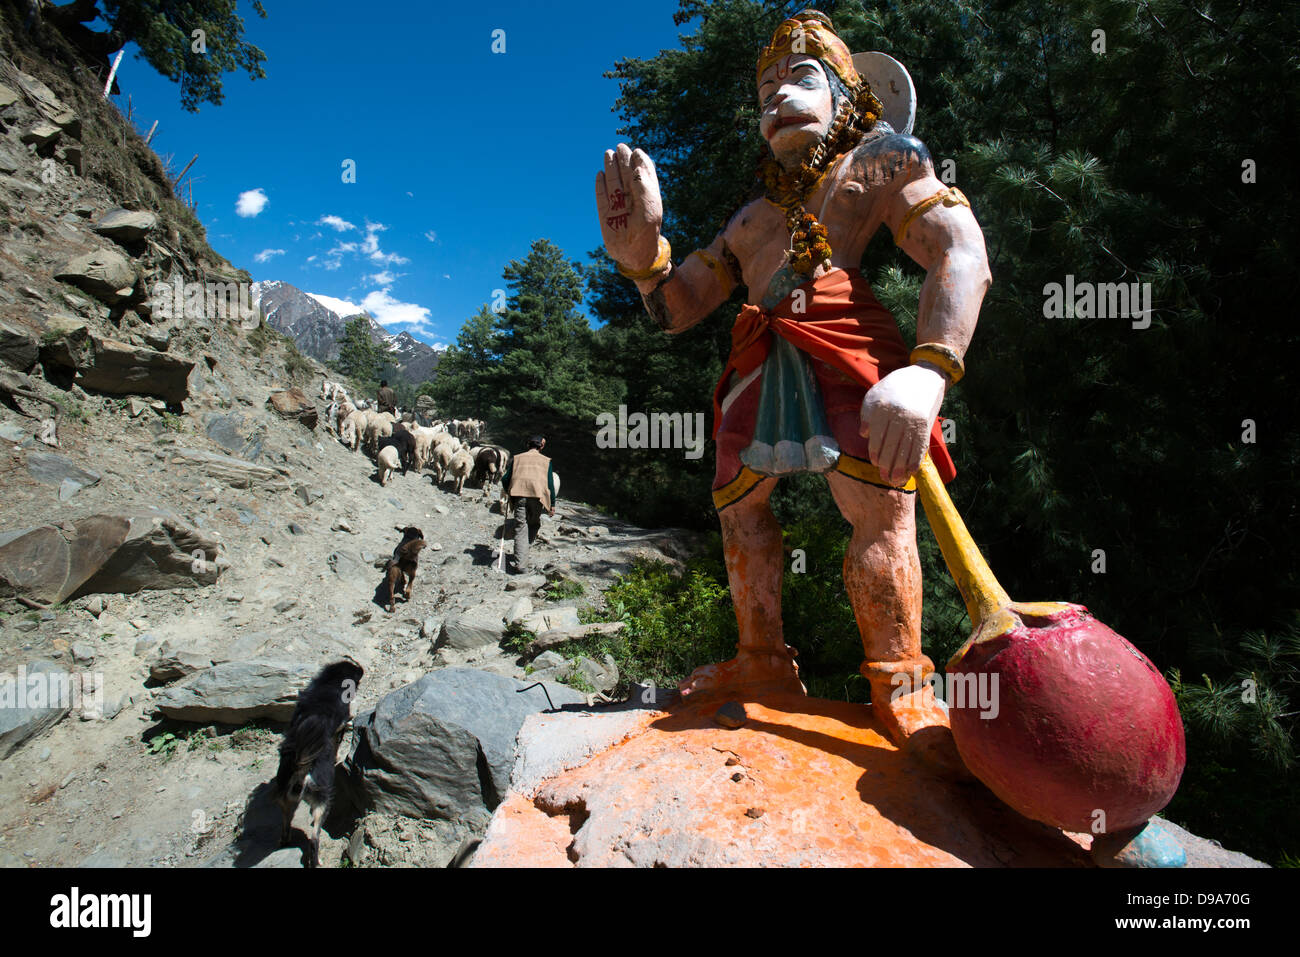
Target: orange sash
(842,324)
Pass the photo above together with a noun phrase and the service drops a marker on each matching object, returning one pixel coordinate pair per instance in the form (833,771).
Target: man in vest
(386,401)
(529,483)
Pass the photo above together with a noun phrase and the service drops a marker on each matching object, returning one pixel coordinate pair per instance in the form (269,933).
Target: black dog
(404,442)
(310,747)
(401,568)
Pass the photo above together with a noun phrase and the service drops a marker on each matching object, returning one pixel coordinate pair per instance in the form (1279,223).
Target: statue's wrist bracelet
(942,357)
(662,263)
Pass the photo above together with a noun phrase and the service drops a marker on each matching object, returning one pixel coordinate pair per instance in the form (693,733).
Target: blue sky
(463,156)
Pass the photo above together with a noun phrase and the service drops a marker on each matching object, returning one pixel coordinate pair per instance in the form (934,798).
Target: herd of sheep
(397,442)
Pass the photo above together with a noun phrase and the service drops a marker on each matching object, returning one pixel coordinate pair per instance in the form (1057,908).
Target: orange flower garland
(809,244)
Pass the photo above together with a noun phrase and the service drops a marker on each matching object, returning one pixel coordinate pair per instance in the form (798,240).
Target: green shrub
(563,588)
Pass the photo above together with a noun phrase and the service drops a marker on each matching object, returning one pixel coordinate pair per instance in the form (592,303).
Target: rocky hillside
(182,546)
(317,330)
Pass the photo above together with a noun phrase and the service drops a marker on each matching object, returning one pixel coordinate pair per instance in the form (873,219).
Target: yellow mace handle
(979,589)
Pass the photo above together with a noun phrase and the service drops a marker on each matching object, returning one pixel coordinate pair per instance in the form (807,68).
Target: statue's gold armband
(949,196)
(724,275)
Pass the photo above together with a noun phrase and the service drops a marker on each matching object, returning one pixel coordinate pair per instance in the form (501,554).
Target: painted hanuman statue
(819,379)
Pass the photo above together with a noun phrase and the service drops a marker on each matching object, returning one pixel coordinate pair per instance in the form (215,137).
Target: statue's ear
(893,87)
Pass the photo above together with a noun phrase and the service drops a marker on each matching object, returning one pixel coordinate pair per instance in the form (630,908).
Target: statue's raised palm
(631,210)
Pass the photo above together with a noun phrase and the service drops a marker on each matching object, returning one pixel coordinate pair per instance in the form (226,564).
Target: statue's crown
(810,33)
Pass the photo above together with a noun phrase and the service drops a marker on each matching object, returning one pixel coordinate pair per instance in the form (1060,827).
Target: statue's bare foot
(919,726)
(750,674)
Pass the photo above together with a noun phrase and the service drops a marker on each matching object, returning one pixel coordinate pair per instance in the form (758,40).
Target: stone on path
(237,692)
(442,747)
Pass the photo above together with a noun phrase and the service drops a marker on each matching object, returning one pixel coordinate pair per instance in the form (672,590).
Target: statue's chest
(766,239)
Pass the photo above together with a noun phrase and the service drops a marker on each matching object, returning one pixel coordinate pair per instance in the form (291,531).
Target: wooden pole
(185,170)
(151,132)
(113,72)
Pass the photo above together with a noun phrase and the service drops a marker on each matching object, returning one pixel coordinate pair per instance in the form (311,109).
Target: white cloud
(370,244)
(267,254)
(431,236)
(392,312)
(384,278)
(340,306)
(446,275)
(251,202)
(370,247)
(335,222)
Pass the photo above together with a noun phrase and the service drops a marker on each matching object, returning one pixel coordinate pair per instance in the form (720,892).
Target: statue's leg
(751,542)
(764,664)
(882,575)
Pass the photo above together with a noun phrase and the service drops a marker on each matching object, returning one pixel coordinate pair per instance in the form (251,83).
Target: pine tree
(359,357)
(546,379)
(468,373)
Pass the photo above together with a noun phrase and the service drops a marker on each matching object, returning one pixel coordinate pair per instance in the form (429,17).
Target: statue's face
(795,103)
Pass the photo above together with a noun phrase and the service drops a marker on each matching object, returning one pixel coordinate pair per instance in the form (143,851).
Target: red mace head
(1064,720)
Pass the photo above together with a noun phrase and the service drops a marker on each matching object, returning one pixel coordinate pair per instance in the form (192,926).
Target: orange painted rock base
(802,783)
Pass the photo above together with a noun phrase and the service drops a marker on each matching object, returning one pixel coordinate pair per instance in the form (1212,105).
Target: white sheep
(460,467)
(379,425)
(440,460)
(350,431)
(389,462)
(424,442)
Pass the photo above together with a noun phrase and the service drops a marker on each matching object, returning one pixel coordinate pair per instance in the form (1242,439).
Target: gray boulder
(388,840)
(18,347)
(559,636)
(235,434)
(125,552)
(601,675)
(123,369)
(476,628)
(236,692)
(294,404)
(104,273)
(561,618)
(172,662)
(347,566)
(442,747)
(51,469)
(126,226)
(237,473)
(549,665)
(23,715)
(116,368)
(42,134)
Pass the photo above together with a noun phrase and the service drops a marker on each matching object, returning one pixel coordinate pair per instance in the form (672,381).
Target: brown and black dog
(311,745)
(401,568)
